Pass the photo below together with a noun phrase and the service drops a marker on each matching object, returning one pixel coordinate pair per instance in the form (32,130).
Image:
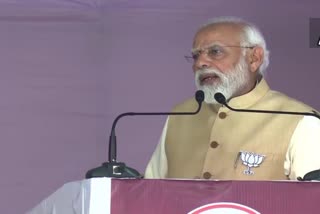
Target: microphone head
(220,98)
(199,96)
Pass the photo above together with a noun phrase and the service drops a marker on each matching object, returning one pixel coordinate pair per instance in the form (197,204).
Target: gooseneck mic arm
(199,96)
(313,175)
(115,169)
(220,98)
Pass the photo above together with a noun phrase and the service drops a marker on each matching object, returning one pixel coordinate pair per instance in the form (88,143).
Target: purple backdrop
(68,67)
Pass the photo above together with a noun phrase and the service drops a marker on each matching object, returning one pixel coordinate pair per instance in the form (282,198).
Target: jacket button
(222,115)
(214,144)
(207,175)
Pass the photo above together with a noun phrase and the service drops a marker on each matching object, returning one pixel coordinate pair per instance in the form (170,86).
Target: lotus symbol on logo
(251,159)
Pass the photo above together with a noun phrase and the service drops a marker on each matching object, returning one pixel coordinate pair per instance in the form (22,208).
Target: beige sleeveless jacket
(209,145)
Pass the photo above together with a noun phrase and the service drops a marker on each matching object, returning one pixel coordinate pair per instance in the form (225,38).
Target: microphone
(115,169)
(220,98)
(313,175)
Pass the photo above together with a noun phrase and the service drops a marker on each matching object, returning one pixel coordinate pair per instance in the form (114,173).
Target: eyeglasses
(214,52)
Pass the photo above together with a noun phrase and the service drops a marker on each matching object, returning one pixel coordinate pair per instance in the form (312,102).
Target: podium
(155,196)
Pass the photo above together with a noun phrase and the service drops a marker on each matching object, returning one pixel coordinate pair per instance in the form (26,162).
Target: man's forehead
(227,34)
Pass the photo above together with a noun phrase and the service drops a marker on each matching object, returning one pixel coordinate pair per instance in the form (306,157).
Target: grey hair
(251,37)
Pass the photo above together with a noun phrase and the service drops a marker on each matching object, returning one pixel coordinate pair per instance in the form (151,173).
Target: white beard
(231,81)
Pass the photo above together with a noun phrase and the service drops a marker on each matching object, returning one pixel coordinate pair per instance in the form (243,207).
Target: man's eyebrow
(208,46)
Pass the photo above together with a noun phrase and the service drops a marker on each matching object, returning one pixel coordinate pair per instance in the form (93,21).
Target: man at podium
(230,56)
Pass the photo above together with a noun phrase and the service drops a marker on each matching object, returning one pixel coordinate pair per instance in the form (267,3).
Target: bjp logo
(251,160)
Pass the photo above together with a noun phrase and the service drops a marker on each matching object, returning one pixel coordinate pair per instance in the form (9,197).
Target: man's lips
(208,79)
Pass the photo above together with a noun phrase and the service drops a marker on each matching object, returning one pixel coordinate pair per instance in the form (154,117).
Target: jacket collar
(246,100)
(249,99)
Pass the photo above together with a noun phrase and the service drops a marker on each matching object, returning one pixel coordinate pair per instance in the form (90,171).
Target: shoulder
(285,102)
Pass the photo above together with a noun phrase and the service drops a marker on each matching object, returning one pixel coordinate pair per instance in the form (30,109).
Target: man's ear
(255,58)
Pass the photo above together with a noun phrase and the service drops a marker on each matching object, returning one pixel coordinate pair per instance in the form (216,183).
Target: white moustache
(203,73)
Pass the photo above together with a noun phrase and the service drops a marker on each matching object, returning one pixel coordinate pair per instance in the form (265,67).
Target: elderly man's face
(219,64)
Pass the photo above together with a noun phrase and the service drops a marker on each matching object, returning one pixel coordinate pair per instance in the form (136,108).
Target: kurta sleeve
(158,164)
(303,154)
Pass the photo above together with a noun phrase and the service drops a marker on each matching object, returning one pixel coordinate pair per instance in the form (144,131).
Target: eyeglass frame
(206,50)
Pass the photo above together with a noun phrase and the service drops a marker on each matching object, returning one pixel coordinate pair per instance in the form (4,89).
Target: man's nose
(203,61)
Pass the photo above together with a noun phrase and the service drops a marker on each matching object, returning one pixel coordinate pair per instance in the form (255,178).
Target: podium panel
(183,196)
(90,196)
(157,196)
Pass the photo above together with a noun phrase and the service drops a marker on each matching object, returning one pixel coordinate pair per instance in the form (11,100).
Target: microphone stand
(311,176)
(114,169)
